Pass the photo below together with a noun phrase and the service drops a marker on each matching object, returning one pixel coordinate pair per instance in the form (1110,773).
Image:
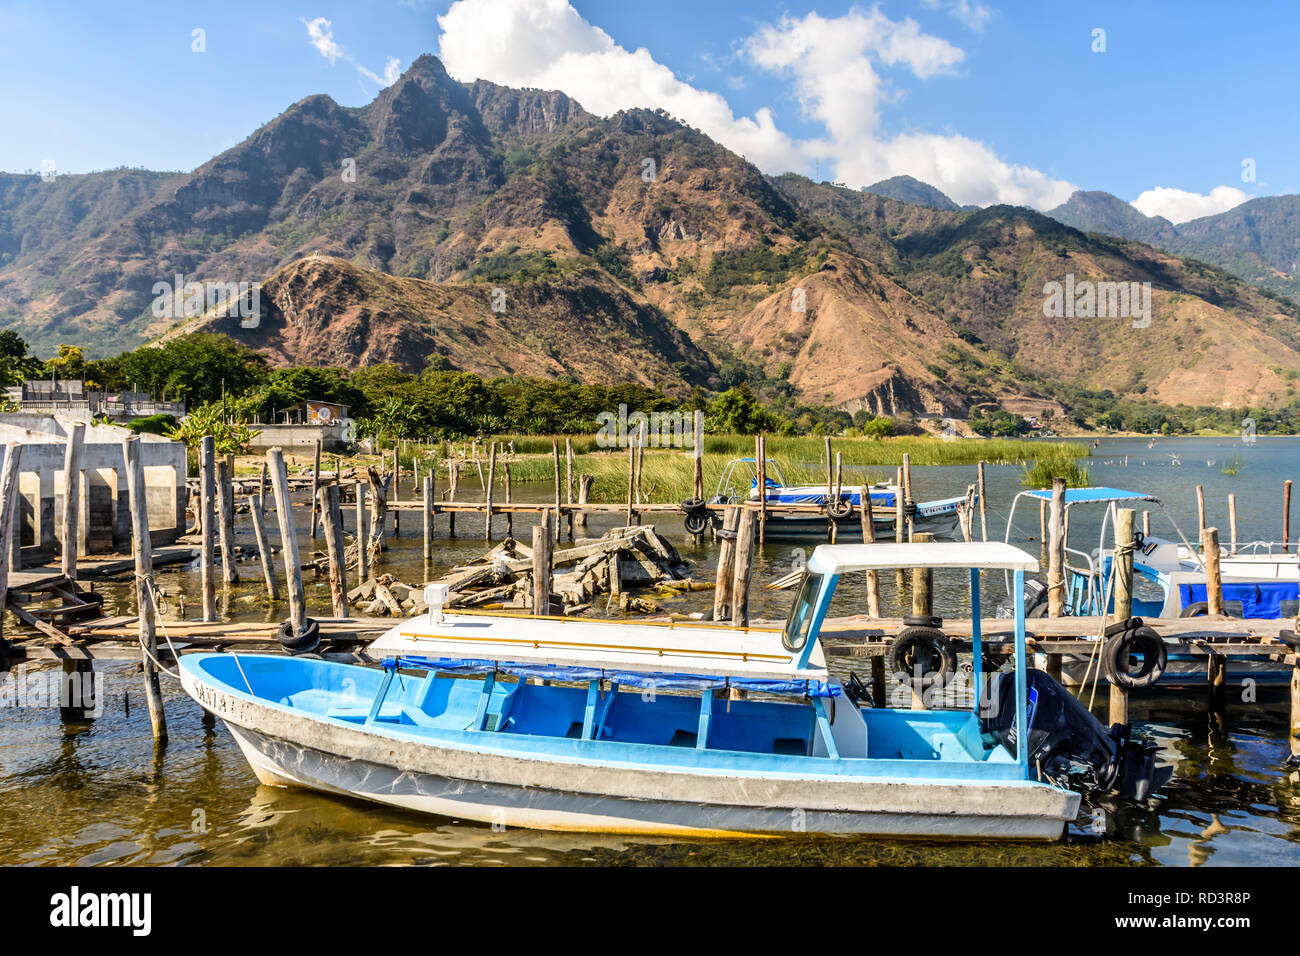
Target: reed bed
(667,473)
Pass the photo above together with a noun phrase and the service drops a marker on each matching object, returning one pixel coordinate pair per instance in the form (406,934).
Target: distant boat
(1260,580)
(939,517)
(567,724)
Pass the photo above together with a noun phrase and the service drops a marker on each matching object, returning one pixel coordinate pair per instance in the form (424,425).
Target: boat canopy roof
(706,649)
(1084,495)
(995,555)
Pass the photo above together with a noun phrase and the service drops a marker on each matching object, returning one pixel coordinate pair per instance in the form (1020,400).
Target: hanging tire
(839,509)
(929,647)
(303,643)
(697,522)
(1117,653)
(1195,609)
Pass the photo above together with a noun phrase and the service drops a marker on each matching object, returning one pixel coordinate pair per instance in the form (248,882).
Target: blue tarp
(1078,495)
(1263,599)
(577,675)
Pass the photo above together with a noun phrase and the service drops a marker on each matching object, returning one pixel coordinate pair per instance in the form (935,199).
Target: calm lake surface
(101,793)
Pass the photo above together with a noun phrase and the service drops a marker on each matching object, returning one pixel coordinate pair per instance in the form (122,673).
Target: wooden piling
(543,542)
(1146,524)
(263,547)
(362,534)
(631,477)
(744,567)
(979,490)
(1056,551)
(288,540)
(907,494)
(379,487)
(453,482)
(428,517)
(760,465)
(72,499)
(1232,524)
(900,576)
(899,506)
(9,481)
(555,457)
(697,454)
(584,493)
(1216,681)
(332,527)
(923,582)
(641,444)
(510,515)
(1123,563)
(1200,511)
(1042,533)
(207,517)
(262,482)
(315,488)
(1286,513)
(491,485)
(568,482)
(869,537)
(226,522)
(726,564)
(146,610)
(1213,576)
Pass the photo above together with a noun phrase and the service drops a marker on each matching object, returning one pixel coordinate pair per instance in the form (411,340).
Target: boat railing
(1278,548)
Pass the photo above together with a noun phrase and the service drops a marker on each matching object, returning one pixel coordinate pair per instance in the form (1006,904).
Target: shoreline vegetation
(667,473)
(229,388)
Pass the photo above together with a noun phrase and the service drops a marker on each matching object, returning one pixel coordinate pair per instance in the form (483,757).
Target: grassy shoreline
(667,474)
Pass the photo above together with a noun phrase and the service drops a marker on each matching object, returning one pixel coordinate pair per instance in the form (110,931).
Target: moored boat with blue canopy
(569,724)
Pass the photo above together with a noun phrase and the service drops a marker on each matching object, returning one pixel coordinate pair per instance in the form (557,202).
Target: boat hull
(944,526)
(518,790)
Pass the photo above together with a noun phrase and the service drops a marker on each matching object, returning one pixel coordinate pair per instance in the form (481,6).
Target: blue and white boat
(1260,580)
(572,724)
(940,517)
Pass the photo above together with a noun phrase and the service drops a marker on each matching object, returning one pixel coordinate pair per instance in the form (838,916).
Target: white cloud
(970,12)
(1178,205)
(547,44)
(320,34)
(836,64)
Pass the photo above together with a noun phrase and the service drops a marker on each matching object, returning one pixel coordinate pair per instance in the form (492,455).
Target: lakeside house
(304,424)
(71,397)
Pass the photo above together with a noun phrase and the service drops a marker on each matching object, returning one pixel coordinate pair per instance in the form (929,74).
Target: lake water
(101,792)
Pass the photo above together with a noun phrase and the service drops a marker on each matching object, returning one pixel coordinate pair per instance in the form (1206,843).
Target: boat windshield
(795,635)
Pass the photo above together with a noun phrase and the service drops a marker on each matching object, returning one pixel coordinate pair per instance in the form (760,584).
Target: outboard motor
(1068,744)
(1035,597)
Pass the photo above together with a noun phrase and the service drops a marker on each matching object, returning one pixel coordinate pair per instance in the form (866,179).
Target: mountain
(911,190)
(509,231)
(1258,240)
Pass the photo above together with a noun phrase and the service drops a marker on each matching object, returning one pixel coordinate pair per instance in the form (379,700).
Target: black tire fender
(928,642)
(305,642)
(1195,609)
(1117,650)
(839,509)
(696,522)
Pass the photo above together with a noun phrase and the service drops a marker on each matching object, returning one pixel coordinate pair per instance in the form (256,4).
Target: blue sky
(990,100)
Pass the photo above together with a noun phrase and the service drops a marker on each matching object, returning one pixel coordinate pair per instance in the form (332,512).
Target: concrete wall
(300,436)
(104,507)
